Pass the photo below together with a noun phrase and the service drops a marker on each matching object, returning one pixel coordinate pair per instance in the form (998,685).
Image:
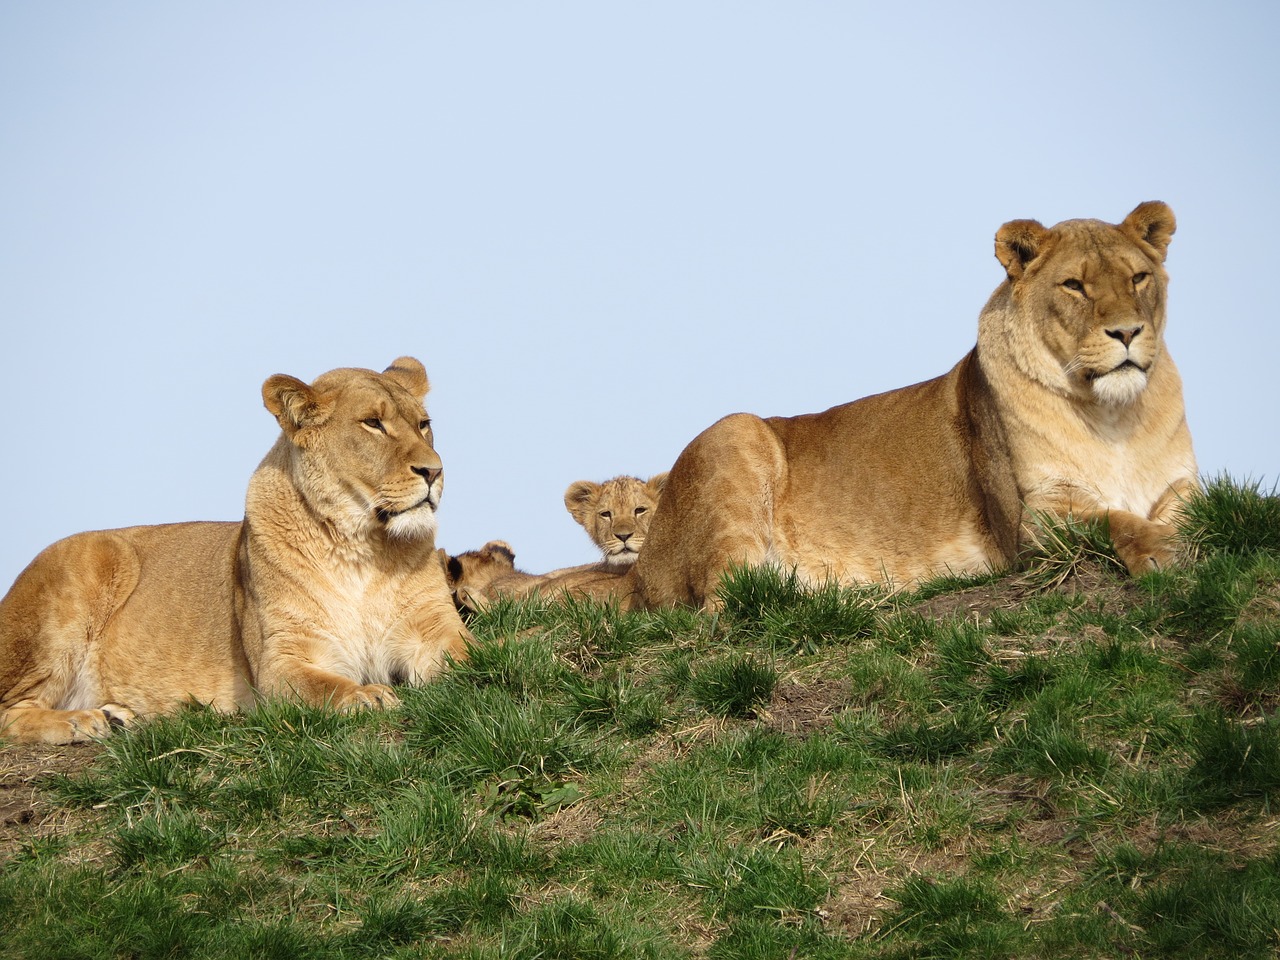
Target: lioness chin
(327,591)
(1068,406)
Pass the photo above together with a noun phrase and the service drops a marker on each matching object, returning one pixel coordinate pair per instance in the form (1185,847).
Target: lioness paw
(370,696)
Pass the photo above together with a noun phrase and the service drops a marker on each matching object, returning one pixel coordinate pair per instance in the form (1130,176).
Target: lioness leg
(716,511)
(1143,545)
(51,623)
(303,679)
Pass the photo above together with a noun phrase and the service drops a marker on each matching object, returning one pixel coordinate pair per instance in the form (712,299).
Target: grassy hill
(1060,762)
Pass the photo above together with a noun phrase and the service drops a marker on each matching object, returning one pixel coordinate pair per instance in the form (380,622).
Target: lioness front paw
(369,696)
(86,725)
(1146,556)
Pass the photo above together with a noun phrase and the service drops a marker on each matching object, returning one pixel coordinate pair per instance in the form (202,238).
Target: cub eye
(606,515)
(1140,278)
(373,423)
(640,510)
(1074,284)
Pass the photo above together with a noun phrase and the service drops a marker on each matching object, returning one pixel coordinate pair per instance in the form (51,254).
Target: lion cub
(616,515)
(322,592)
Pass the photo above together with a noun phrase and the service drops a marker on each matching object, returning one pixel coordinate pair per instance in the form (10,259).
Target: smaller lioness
(616,514)
(324,592)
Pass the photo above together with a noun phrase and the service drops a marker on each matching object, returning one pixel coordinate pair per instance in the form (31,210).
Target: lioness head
(616,513)
(361,447)
(1097,291)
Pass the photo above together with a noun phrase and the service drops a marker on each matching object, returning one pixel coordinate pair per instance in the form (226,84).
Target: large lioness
(328,590)
(1069,405)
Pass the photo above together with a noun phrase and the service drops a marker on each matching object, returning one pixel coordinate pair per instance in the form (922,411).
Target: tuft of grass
(734,685)
(777,606)
(1230,516)
(1059,549)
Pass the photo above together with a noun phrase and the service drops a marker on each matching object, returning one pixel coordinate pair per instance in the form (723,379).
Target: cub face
(1099,294)
(616,514)
(363,446)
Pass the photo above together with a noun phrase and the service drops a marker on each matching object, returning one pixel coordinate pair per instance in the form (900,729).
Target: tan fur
(1069,405)
(324,592)
(616,514)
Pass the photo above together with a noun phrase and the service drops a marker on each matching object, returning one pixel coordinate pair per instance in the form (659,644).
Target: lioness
(1069,405)
(616,514)
(326,591)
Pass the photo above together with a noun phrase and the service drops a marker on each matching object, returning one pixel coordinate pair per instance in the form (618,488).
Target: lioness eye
(1073,284)
(424,426)
(373,423)
(1139,278)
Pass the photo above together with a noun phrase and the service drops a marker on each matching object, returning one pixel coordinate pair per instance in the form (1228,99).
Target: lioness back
(1069,405)
(323,592)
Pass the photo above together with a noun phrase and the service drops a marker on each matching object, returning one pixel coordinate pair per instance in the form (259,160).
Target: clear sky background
(601,226)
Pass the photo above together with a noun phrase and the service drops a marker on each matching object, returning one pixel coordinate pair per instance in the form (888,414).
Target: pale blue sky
(601,226)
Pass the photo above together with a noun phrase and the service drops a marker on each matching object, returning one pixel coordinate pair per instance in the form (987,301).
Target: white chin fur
(1120,387)
(416,524)
(620,560)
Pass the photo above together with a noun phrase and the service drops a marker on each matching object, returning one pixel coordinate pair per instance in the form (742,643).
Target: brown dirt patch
(801,709)
(24,812)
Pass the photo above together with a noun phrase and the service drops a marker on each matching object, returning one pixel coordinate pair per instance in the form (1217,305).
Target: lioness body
(325,591)
(1069,405)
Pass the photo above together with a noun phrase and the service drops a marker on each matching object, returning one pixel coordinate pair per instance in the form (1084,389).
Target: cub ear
(453,570)
(410,374)
(1018,242)
(293,403)
(578,496)
(1151,223)
(657,483)
(500,549)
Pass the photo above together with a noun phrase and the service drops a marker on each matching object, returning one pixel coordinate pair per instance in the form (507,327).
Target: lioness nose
(1124,334)
(427,473)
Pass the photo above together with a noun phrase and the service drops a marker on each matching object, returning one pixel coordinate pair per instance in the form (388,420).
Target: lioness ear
(658,482)
(1151,223)
(293,403)
(578,496)
(1017,244)
(410,374)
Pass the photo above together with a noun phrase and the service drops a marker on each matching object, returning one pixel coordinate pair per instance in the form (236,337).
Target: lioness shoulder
(1069,405)
(324,591)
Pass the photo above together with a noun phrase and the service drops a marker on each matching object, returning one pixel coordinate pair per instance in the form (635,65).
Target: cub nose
(1125,335)
(622,537)
(428,474)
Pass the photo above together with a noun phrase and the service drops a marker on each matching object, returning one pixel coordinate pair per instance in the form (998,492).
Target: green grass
(1060,762)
